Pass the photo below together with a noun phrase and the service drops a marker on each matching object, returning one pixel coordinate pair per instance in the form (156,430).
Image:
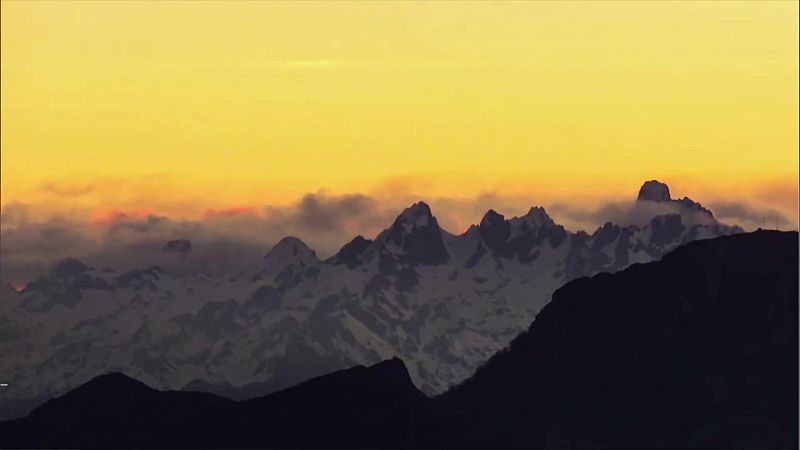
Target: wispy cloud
(395,64)
(239,235)
(311,64)
(751,217)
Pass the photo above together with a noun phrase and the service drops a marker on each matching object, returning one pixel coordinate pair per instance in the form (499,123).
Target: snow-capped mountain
(443,303)
(287,258)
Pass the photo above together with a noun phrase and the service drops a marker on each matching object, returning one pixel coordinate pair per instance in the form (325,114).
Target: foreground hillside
(698,350)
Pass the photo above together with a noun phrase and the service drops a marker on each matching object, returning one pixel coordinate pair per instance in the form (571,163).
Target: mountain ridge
(444,303)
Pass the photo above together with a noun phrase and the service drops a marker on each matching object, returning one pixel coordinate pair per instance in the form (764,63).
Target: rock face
(698,350)
(443,303)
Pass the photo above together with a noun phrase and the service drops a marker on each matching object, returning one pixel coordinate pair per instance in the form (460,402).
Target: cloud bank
(237,237)
(222,238)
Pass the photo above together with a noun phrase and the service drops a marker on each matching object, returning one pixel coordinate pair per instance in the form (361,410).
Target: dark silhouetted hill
(118,412)
(697,350)
(367,406)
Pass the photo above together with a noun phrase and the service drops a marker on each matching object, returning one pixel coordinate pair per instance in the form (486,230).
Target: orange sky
(185,107)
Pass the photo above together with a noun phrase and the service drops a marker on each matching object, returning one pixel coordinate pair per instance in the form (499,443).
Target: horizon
(192,110)
(323,222)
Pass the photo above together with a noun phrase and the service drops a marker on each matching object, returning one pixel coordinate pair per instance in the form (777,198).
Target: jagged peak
(420,207)
(289,247)
(415,236)
(290,240)
(357,241)
(536,217)
(607,227)
(692,205)
(654,191)
(494,229)
(492,217)
(418,214)
(350,252)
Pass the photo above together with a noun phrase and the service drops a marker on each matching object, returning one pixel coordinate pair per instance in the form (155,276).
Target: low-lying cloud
(229,238)
(622,213)
(237,237)
(751,217)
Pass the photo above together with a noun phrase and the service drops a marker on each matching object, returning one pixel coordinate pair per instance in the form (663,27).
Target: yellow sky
(190,105)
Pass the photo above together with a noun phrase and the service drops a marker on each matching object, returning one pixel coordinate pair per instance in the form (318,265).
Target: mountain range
(443,303)
(697,350)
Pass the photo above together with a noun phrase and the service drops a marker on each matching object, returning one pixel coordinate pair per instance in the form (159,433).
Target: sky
(200,111)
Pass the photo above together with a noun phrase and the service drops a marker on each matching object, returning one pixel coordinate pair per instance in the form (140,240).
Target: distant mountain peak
(418,214)
(537,216)
(654,191)
(492,217)
(290,240)
(63,284)
(415,217)
(495,224)
(288,257)
(494,229)
(182,246)
(417,234)
(290,246)
(349,254)
(692,211)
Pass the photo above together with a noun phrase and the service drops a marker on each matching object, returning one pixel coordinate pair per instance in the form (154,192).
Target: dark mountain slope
(362,406)
(697,350)
(116,411)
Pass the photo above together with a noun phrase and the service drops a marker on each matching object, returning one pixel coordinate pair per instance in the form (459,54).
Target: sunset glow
(399,224)
(187,108)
